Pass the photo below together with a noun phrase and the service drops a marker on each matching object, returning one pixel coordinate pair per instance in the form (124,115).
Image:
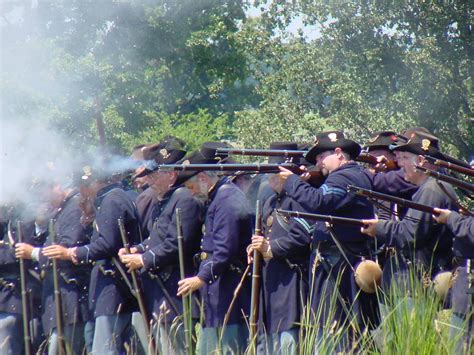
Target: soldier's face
(408,162)
(327,161)
(194,186)
(160,182)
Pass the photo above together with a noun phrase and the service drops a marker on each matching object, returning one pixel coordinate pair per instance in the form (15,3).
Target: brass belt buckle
(203,256)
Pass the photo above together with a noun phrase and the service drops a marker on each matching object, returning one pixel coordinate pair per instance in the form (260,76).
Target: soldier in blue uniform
(417,239)
(228,230)
(11,313)
(462,228)
(110,298)
(285,246)
(73,280)
(158,254)
(335,297)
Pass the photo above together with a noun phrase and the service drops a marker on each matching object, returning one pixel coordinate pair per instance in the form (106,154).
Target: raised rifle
(25,305)
(57,294)
(372,195)
(363,156)
(455,167)
(322,217)
(316,177)
(256,283)
(138,291)
(449,179)
(187,300)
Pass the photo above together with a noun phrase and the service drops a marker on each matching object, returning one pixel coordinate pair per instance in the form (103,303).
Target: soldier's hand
(191,284)
(23,251)
(442,215)
(57,251)
(284,173)
(122,251)
(132,261)
(369,227)
(260,243)
(249,254)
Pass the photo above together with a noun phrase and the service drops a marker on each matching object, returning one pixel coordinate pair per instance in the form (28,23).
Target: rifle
(57,294)
(24,298)
(262,152)
(256,280)
(449,179)
(322,217)
(187,300)
(363,157)
(372,195)
(137,290)
(316,177)
(446,164)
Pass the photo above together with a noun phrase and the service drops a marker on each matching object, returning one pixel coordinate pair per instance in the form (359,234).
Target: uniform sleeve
(166,252)
(327,198)
(461,226)
(106,240)
(415,226)
(226,240)
(392,183)
(297,239)
(7,255)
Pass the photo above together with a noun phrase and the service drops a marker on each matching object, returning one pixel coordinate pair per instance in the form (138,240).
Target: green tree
(375,65)
(118,61)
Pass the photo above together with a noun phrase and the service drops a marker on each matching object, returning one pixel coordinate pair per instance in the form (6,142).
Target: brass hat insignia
(164,153)
(425,144)
(87,170)
(186,162)
(332,137)
(373,139)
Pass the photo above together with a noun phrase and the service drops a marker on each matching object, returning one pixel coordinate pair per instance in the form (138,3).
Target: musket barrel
(399,201)
(187,300)
(24,297)
(262,152)
(449,179)
(138,292)
(321,217)
(455,167)
(57,293)
(256,283)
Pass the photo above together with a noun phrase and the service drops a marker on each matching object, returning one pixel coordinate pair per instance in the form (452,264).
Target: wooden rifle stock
(455,167)
(25,305)
(449,179)
(322,217)
(256,283)
(138,291)
(372,160)
(187,300)
(57,294)
(399,201)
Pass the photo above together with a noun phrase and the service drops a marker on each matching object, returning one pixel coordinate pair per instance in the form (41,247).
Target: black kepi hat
(329,141)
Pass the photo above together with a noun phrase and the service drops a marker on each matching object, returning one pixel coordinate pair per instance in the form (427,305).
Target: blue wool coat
(228,231)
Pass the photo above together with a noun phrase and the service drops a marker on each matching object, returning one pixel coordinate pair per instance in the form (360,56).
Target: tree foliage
(375,66)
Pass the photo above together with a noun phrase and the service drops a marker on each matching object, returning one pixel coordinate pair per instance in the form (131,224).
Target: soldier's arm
(166,252)
(461,226)
(416,223)
(325,199)
(106,240)
(392,183)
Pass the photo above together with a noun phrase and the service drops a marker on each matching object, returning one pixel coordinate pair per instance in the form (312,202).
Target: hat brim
(415,148)
(347,145)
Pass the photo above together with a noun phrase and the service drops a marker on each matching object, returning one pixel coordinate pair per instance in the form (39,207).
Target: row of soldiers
(304,263)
